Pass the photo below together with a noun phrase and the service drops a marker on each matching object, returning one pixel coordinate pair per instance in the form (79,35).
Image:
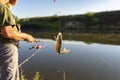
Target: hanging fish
(54,0)
(58,44)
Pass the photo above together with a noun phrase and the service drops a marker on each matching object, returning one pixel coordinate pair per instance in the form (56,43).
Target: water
(84,61)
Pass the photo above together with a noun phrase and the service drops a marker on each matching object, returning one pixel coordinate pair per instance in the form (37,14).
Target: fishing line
(58,16)
(59,25)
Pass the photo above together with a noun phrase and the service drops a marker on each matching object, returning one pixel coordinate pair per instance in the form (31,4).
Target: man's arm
(8,32)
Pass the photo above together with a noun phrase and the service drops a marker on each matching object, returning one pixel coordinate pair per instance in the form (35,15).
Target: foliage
(92,19)
(17,19)
(104,22)
(23,77)
(40,24)
(90,14)
(36,76)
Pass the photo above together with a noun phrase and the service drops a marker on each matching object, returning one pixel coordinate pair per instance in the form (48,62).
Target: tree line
(102,22)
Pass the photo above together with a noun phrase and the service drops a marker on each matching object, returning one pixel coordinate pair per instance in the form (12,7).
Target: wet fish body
(58,44)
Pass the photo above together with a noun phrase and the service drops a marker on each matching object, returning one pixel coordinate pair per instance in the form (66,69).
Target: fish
(58,44)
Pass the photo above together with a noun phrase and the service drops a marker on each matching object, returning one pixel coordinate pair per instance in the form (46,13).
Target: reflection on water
(88,38)
(83,62)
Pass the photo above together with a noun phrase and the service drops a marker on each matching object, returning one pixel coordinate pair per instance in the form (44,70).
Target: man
(9,35)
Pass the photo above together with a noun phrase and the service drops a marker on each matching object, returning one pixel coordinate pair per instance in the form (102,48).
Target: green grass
(37,76)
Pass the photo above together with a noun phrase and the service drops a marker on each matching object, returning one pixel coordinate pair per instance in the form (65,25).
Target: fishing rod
(40,40)
(38,47)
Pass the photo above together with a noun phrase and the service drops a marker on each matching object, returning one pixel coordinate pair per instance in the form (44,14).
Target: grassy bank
(103,22)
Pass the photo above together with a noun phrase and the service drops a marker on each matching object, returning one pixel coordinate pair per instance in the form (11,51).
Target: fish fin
(65,51)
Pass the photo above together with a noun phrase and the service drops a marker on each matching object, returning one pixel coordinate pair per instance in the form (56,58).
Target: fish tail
(64,51)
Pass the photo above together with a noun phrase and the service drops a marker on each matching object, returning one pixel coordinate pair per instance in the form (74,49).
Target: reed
(37,76)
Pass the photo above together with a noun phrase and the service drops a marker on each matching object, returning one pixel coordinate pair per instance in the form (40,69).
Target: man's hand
(29,38)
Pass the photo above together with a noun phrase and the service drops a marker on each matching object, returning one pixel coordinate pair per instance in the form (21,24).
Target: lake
(85,61)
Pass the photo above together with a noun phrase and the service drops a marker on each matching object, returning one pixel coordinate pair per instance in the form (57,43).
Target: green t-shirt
(6,19)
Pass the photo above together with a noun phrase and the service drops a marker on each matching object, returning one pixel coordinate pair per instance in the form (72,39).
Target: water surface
(84,62)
